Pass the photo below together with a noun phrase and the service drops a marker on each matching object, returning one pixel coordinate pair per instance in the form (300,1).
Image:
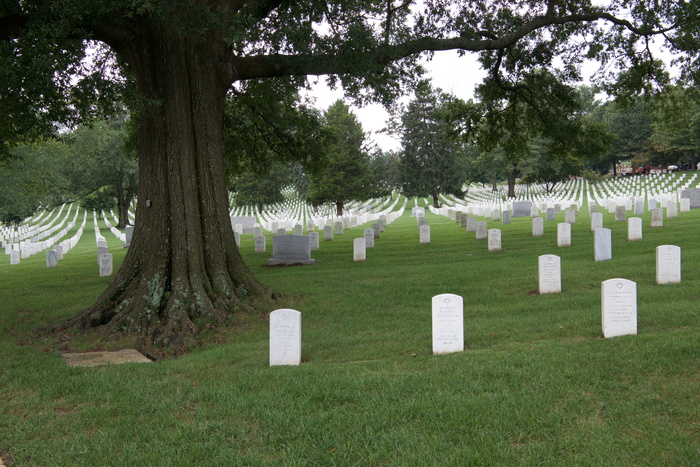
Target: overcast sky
(449,72)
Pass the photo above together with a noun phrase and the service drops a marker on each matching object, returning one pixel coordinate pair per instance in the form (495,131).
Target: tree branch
(277,65)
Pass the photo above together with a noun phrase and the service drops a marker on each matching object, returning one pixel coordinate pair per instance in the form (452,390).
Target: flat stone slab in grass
(105,358)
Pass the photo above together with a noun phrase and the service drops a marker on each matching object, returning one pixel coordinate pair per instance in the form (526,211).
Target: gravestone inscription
(448,323)
(619,307)
(285,337)
(549,267)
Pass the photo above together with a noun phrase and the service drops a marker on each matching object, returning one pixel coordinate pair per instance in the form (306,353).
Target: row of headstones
(37,228)
(41,239)
(26,249)
(668,269)
(296,249)
(619,318)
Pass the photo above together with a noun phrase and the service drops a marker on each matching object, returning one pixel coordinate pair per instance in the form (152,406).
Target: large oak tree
(183,268)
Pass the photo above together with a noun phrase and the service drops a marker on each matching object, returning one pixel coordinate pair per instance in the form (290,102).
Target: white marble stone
(448,324)
(51,258)
(327,233)
(668,264)
(285,337)
(471,224)
(424,231)
(338,228)
(619,307)
(563,234)
(359,249)
(537,227)
(620,214)
(369,238)
(603,244)
(14,257)
(570,216)
(314,240)
(106,265)
(634,229)
(549,267)
(494,240)
(260,243)
(596,221)
(481,230)
(657,217)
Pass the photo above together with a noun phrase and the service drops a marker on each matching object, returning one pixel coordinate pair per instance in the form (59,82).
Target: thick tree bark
(339,206)
(182,270)
(512,176)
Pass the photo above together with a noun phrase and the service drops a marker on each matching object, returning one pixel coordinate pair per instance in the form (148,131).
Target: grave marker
(563,234)
(537,227)
(657,217)
(369,238)
(424,233)
(634,229)
(668,264)
(549,267)
(106,265)
(448,324)
(603,244)
(494,240)
(285,337)
(260,243)
(481,230)
(359,249)
(314,240)
(291,249)
(619,306)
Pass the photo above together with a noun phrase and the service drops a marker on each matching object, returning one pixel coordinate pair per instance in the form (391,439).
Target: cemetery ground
(536,384)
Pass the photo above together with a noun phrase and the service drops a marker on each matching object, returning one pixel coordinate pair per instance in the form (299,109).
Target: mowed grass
(537,383)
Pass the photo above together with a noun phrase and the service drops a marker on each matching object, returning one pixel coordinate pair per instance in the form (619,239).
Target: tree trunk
(436,201)
(183,270)
(339,206)
(512,176)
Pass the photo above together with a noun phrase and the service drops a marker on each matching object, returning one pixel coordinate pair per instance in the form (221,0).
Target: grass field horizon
(536,384)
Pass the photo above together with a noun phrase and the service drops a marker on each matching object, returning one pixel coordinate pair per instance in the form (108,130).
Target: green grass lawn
(536,384)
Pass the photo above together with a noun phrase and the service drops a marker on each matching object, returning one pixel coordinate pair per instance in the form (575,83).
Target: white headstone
(620,214)
(596,221)
(494,240)
(314,240)
(603,244)
(327,233)
(570,216)
(260,243)
(359,249)
(657,217)
(298,229)
(285,337)
(685,205)
(668,264)
(537,227)
(448,324)
(51,258)
(564,234)
(619,306)
(338,228)
(369,238)
(672,210)
(634,229)
(549,267)
(129,232)
(424,233)
(105,265)
(14,257)
(471,224)
(481,230)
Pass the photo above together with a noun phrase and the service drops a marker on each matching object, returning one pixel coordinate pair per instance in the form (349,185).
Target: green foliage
(266,123)
(431,162)
(32,176)
(256,190)
(98,201)
(346,175)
